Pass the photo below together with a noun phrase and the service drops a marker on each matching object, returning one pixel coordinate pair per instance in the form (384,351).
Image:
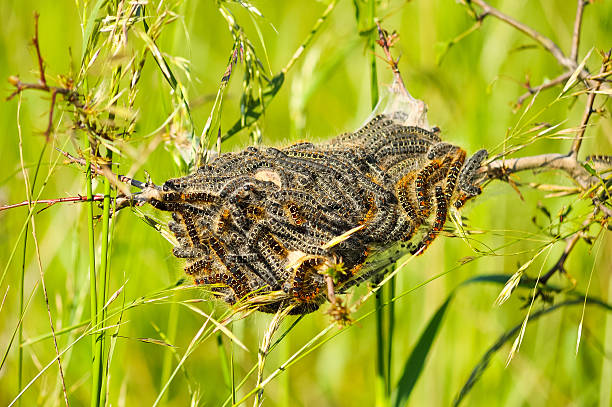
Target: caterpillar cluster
(259,221)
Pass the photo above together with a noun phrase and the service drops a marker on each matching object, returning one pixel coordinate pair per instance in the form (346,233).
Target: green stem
(171,336)
(372,46)
(29,194)
(21,304)
(390,329)
(103,281)
(92,280)
(232,372)
(298,53)
(224,361)
(286,379)
(382,384)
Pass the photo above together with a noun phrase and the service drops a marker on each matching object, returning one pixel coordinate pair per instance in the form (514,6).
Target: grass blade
(416,361)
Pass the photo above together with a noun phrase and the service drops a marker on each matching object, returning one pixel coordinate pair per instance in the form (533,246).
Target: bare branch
(576,34)
(500,169)
(569,246)
(386,41)
(100,170)
(548,84)
(41,64)
(69,94)
(588,109)
(50,202)
(543,40)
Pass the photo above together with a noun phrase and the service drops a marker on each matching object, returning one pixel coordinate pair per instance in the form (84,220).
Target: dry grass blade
(341,238)
(574,77)
(219,326)
(519,339)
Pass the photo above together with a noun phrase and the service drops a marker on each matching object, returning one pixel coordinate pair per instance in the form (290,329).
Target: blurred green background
(470,97)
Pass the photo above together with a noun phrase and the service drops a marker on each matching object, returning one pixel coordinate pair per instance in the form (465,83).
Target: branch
(386,41)
(105,171)
(588,109)
(50,202)
(41,64)
(576,34)
(549,84)
(569,246)
(543,40)
(569,64)
(69,94)
(501,168)
(148,189)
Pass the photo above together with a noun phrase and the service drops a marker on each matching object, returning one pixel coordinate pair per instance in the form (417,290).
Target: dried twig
(536,89)
(69,94)
(543,40)
(386,41)
(502,168)
(118,180)
(588,108)
(50,202)
(569,63)
(577,25)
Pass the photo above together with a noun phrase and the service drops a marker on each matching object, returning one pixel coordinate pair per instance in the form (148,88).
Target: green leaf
(255,109)
(589,169)
(416,361)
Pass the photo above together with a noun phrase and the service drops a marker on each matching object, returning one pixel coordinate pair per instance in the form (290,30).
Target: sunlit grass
(167,343)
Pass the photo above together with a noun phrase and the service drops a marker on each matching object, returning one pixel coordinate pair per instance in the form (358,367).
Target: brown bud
(14,80)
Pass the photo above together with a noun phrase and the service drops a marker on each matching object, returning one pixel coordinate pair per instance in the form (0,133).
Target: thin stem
(569,246)
(171,337)
(543,40)
(29,194)
(92,281)
(105,172)
(46,296)
(588,108)
(381,383)
(390,330)
(372,46)
(103,280)
(500,169)
(386,41)
(548,84)
(21,307)
(35,42)
(50,202)
(381,379)
(298,53)
(285,351)
(576,34)
(266,347)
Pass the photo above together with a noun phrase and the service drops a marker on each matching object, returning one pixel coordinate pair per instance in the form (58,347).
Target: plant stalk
(103,281)
(92,280)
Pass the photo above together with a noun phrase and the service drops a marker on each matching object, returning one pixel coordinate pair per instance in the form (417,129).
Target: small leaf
(255,109)
(589,169)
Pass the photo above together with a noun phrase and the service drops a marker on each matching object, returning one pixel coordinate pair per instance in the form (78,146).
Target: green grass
(155,343)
